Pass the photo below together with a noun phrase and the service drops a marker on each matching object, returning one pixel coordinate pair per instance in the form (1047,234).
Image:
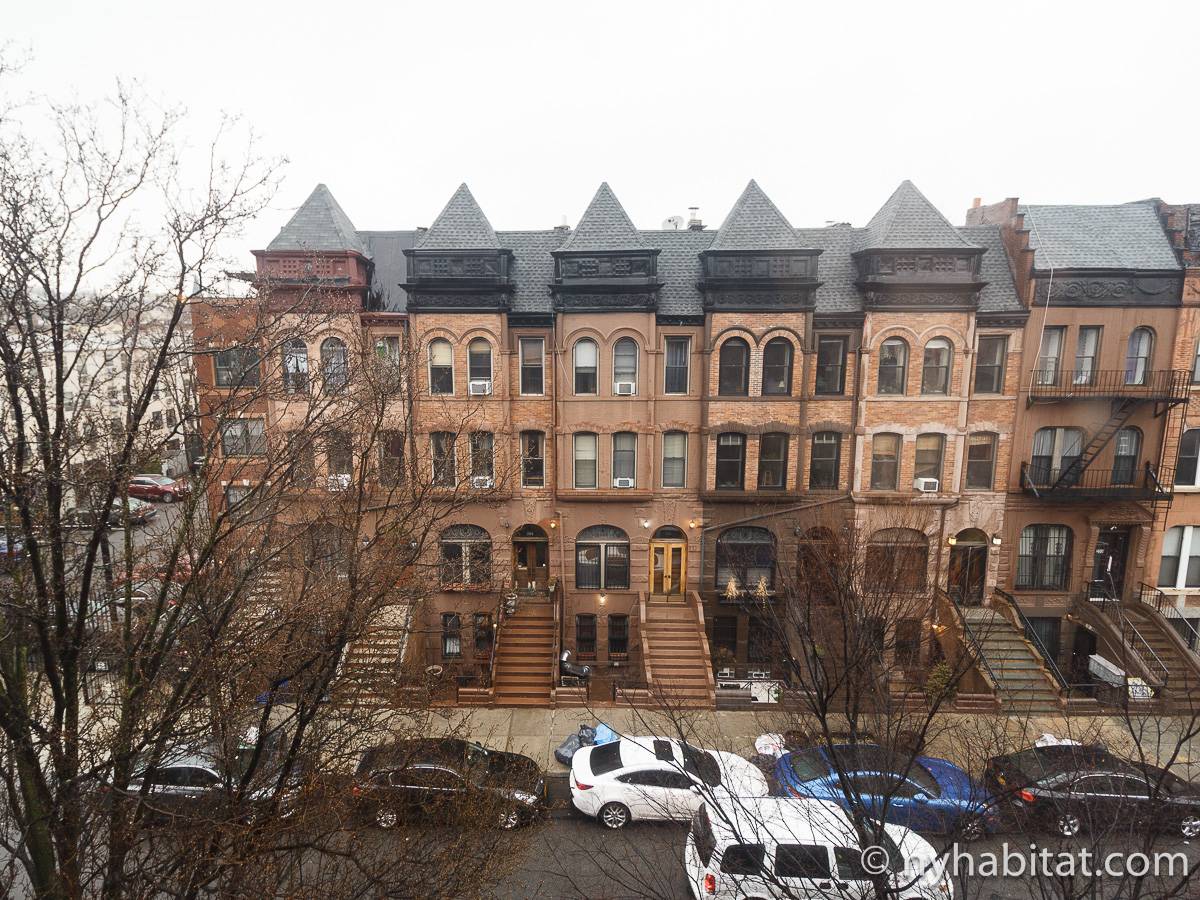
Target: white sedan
(663,779)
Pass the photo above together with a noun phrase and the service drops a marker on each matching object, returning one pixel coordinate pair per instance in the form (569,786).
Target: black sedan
(448,781)
(1073,788)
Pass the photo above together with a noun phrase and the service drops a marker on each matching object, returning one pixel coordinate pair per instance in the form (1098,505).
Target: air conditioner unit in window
(926,485)
(623,482)
(759,673)
(481,481)
(338,482)
(479,388)
(625,388)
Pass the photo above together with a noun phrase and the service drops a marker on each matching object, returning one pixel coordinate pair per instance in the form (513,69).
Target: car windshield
(808,765)
(1039,762)
(702,764)
(606,758)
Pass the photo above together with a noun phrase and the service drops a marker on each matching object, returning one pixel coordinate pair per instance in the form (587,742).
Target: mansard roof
(755,223)
(908,221)
(460,226)
(605,226)
(319,225)
(1125,236)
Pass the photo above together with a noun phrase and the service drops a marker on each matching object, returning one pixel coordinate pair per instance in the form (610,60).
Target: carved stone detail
(420,301)
(456,266)
(1116,291)
(636,266)
(717,265)
(931,300)
(758,299)
(614,300)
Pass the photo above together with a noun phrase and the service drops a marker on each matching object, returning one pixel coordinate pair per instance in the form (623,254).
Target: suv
(158,487)
(448,780)
(140,512)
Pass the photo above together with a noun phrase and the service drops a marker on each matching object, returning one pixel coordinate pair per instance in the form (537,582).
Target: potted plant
(723,662)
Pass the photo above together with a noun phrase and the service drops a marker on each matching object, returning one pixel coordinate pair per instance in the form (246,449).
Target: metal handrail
(1035,640)
(1161,384)
(556,605)
(997,685)
(1110,608)
(1162,604)
(1128,480)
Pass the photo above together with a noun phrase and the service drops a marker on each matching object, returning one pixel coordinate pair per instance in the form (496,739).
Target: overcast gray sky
(828,105)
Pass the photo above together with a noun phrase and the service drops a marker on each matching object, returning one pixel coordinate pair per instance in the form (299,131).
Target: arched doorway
(531,558)
(668,561)
(968,566)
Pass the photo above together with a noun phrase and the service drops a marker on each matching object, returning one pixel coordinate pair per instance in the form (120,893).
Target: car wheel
(1068,825)
(168,497)
(972,829)
(1190,827)
(386,818)
(614,815)
(509,819)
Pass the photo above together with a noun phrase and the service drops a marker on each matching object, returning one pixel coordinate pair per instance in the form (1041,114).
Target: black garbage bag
(584,737)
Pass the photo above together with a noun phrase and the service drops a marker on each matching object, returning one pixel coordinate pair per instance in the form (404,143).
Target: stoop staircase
(1020,677)
(676,653)
(371,664)
(525,663)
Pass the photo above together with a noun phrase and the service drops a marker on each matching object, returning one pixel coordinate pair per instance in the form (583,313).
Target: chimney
(694,223)
(976,203)
(562,227)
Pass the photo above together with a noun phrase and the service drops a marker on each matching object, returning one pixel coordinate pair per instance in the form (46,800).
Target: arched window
(897,560)
(295,367)
(333,365)
(466,555)
(1189,454)
(1043,557)
(585,356)
(479,361)
(885,462)
(777,367)
(236,367)
(625,366)
(745,556)
(731,461)
(1180,543)
(935,371)
(1127,447)
(893,366)
(733,377)
(669,533)
(602,559)
(441,367)
(1139,355)
(1054,451)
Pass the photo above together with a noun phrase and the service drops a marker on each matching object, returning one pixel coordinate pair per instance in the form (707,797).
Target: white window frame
(595,438)
(541,342)
(1185,544)
(637,352)
(663,464)
(429,365)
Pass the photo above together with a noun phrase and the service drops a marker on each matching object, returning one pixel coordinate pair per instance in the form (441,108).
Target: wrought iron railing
(1164,384)
(1034,639)
(1133,643)
(1130,482)
(976,646)
(1165,607)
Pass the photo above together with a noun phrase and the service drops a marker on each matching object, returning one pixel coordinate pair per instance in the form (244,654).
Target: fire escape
(1126,391)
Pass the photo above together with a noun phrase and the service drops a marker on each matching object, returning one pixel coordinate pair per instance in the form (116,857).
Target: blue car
(929,795)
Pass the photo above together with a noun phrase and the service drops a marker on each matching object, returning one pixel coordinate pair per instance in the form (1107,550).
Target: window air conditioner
(625,388)
(481,481)
(339,482)
(926,485)
(623,482)
(759,673)
(479,388)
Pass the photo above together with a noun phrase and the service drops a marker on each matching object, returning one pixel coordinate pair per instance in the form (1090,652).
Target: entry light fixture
(996,541)
(692,523)
(553,523)
(952,540)
(645,523)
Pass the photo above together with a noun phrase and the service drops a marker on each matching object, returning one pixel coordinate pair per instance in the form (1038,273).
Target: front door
(531,564)
(668,567)
(1108,571)
(968,572)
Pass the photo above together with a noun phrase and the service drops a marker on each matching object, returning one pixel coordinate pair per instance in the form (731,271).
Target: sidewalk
(966,739)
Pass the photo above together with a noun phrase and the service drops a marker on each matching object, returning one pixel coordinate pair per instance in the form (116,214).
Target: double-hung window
(676,375)
(532,365)
(243,437)
(731,461)
(585,460)
(624,462)
(674,465)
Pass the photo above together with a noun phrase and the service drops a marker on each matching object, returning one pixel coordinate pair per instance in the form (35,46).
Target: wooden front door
(668,567)
(531,564)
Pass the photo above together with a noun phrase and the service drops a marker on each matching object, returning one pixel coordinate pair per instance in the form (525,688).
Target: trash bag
(769,744)
(604,734)
(584,737)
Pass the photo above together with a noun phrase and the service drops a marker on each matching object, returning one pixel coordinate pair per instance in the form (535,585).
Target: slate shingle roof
(460,226)
(755,223)
(1128,236)
(319,224)
(605,226)
(1000,293)
(908,221)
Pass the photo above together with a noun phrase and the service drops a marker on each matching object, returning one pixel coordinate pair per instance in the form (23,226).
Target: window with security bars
(451,636)
(585,634)
(618,635)
(1043,556)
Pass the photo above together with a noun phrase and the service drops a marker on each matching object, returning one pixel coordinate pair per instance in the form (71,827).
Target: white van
(767,847)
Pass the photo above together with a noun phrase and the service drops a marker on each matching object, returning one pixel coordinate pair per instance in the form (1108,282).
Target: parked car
(140,512)
(741,847)
(928,795)
(655,778)
(1073,788)
(448,781)
(158,487)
